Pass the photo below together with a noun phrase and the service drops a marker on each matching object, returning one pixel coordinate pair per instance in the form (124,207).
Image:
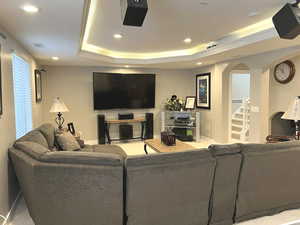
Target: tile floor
(21,215)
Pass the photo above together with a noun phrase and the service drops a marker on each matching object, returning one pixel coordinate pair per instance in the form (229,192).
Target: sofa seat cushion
(67,142)
(48,131)
(36,137)
(114,149)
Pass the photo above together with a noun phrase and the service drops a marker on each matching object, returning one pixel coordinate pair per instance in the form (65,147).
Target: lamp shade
(293,112)
(58,106)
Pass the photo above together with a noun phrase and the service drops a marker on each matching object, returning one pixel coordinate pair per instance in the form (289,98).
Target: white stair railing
(246,109)
(240,120)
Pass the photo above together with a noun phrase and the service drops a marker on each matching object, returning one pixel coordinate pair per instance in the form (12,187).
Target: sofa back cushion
(269,181)
(225,186)
(33,149)
(48,131)
(171,188)
(34,136)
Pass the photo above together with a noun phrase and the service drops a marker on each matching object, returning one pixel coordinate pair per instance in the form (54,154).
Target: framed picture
(1,104)
(190,102)
(71,128)
(38,85)
(203,91)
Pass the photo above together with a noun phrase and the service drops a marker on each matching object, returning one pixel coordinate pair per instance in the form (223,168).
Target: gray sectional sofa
(99,185)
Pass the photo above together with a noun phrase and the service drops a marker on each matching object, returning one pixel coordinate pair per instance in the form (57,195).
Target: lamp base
(297,136)
(59,120)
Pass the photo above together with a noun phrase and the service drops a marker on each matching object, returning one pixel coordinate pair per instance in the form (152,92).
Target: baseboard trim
(11,212)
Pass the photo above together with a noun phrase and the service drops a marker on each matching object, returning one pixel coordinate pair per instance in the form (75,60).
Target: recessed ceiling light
(55,58)
(30,9)
(187,40)
(118,36)
(253,14)
(127,66)
(199,63)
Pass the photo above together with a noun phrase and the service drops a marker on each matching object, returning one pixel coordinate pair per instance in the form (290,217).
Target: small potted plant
(174,104)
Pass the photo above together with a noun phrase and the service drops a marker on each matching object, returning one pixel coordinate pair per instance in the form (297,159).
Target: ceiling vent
(211,45)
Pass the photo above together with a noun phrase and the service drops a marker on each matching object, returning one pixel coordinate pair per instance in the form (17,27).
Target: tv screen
(124,91)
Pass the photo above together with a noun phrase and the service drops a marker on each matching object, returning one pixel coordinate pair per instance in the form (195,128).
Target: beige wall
(8,186)
(75,86)
(266,95)
(208,117)
(281,95)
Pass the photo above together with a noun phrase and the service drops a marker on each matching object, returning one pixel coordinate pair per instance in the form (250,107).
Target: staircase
(240,122)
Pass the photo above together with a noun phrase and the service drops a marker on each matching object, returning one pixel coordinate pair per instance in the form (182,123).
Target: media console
(104,128)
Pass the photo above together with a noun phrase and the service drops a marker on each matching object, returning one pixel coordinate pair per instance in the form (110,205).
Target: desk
(142,121)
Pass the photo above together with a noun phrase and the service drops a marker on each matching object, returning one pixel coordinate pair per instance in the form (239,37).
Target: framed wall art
(38,85)
(203,91)
(190,103)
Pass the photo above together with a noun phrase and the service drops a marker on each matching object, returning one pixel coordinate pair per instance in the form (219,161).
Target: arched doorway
(239,103)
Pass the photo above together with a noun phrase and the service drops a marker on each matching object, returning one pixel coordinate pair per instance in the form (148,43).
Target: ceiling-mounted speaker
(134,12)
(287,21)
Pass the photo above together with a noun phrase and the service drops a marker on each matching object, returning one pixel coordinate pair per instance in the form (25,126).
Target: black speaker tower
(101,129)
(149,126)
(134,12)
(287,21)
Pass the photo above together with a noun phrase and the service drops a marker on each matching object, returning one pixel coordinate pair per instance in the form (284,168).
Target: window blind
(22,96)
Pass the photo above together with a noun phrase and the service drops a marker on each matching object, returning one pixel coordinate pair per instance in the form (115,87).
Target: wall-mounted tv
(123,91)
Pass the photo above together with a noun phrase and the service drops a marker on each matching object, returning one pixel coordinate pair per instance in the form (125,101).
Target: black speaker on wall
(149,126)
(134,12)
(287,21)
(101,129)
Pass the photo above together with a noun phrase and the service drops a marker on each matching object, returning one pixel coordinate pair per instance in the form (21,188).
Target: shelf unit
(169,118)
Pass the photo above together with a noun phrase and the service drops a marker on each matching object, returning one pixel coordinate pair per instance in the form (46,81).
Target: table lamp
(293,113)
(59,107)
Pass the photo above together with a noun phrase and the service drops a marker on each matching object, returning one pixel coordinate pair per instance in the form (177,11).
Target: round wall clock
(284,72)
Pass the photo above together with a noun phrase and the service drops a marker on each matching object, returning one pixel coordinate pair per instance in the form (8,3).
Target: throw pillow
(67,142)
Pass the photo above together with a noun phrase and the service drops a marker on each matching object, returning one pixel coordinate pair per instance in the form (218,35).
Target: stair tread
(236,132)
(238,119)
(237,125)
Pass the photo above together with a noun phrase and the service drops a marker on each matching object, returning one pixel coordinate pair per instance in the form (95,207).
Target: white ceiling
(169,22)
(58,27)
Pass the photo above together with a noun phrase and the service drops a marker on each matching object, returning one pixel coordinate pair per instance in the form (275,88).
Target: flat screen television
(123,91)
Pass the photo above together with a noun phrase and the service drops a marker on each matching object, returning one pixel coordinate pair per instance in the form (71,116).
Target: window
(22,96)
